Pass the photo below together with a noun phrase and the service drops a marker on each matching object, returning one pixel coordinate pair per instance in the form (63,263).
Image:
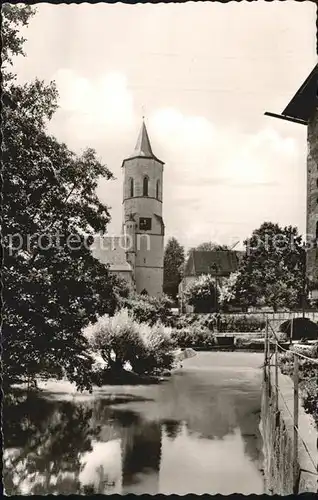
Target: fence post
(291,330)
(265,348)
(269,358)
(296,411)
(276,376)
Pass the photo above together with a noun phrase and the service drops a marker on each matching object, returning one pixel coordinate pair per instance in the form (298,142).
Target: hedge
(223,323)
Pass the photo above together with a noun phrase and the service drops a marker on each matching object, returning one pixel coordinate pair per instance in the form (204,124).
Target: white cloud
(199,153)
(219,182)
(94,106)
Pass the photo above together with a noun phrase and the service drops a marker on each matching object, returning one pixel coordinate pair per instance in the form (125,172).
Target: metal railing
(274,341)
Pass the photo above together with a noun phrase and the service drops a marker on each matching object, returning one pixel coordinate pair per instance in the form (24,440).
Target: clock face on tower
(145,223)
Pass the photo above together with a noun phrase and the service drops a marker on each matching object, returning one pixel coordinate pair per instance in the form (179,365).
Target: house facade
(218,263)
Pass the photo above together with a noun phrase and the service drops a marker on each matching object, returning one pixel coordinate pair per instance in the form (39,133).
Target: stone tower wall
(312,176)
(149,244)
(137,168)
(129,229)
(312,196)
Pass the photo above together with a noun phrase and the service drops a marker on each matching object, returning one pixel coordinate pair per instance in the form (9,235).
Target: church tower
(142,215)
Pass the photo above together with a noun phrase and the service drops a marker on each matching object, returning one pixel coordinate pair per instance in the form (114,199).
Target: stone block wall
(312,195)
(277,430)
(312,174)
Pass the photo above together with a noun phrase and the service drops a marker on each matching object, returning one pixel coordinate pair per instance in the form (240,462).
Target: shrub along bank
(193,337)
(143,335)
(150,310)
(308,380)
(122,341)
(223,323)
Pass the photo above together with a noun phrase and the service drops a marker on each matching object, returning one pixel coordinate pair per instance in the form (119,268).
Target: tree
(202,294)
(208,246)
(272,270)
(13,17)
(148,309)
(172,263)
(228,291)
(53,286)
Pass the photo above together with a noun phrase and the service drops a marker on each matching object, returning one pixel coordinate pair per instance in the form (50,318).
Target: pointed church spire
(143,147)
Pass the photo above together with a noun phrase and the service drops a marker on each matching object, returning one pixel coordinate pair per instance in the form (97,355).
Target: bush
(310,398)
(307,376)
(146,309)
(232,323)
(224,323)
(193,337)
(156,353)
(121,339)
(115,338)
(202,294)
(307,350)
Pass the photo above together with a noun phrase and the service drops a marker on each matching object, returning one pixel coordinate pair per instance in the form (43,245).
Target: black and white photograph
(160,248)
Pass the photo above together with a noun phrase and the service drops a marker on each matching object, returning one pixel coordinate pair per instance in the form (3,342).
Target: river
(197,432)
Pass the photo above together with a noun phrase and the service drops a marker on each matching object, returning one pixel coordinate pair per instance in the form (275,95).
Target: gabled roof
(143,147)
(202,262)
(302,106)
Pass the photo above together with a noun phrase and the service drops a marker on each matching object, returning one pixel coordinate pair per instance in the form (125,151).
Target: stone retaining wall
(277,430)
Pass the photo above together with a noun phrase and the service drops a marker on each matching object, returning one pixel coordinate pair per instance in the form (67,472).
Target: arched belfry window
(131,187)
(157,189)
(145,186)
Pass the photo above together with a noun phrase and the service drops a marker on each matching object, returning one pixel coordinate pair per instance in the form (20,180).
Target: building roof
(302,106)
(202,262)
(143,147)
(111,250)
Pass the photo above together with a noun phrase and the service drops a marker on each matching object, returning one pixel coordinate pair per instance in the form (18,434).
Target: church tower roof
(143,147)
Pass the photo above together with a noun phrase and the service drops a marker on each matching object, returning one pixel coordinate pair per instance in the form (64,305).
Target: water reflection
(195,433)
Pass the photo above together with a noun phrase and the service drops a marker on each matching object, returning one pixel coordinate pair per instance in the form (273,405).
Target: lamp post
(304,278)
(301,266)
(214,269)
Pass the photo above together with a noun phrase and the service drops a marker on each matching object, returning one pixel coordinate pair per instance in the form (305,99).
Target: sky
(203,74)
